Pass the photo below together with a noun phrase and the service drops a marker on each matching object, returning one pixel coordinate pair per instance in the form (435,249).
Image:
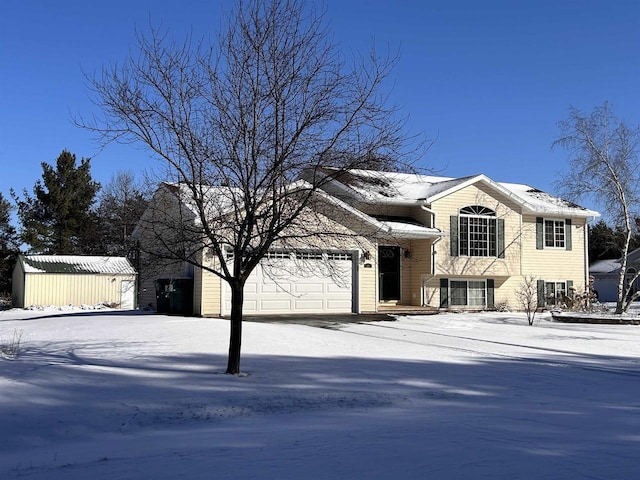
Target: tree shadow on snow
(535,408)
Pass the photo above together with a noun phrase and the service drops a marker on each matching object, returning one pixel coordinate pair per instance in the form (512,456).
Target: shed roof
(76,264)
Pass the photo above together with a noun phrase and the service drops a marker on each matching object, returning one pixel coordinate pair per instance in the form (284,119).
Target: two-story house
(451,243)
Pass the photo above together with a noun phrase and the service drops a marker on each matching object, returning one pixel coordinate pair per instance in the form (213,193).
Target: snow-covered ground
(105,395)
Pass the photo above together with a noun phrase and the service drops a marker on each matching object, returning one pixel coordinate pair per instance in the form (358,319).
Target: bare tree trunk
(622,291)
(235,338)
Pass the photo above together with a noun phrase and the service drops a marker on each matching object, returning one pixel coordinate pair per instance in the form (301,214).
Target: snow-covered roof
(222,201)
(605,266)
(218,200)
(76,264)
(410,230)
(613,265)
(392,188)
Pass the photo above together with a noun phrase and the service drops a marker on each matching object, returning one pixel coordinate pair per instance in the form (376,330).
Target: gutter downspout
(433,250)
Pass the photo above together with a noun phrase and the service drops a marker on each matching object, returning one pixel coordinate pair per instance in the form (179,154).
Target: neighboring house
(59,280)
(606,274)
(451,243)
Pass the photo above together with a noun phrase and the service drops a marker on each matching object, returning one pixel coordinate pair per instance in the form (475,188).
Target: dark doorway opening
(389,273)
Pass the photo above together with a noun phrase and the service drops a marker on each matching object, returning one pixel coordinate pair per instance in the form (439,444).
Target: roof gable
(389,188)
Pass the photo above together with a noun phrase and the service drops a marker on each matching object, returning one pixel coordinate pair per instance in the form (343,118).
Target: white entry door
(127,294)
(287,282)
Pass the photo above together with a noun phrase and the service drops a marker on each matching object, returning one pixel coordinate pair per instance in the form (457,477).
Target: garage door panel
(343,305)
(275,305)
(249,305)
(309,305)
(250,289)
(308,288)
(271,288)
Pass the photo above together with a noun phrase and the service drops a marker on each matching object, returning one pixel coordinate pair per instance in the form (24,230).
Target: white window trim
(488,219)
(563,222)
(555,283)
(467,280)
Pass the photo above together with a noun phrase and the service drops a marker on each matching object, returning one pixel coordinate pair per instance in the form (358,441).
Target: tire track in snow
(485,353)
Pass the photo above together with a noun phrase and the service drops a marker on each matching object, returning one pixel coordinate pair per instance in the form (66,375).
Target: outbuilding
(606,274)
(58,280)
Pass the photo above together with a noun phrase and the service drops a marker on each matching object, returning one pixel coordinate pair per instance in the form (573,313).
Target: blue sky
(490,79)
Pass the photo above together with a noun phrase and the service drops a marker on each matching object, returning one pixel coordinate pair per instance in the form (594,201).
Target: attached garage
(60,280)
(299,282)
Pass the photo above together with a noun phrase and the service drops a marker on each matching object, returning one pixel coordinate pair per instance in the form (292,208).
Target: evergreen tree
(58,218)
(8,245)
(606,242)
(603,242)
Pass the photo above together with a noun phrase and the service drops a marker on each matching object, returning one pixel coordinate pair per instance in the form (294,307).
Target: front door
(389,272)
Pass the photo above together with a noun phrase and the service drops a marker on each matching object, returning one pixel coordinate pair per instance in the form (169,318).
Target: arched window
(478,231)
(477,210)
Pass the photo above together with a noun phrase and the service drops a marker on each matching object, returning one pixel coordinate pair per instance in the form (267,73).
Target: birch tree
(604,165)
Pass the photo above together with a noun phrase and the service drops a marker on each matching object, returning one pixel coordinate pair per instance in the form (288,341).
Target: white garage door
(287,282)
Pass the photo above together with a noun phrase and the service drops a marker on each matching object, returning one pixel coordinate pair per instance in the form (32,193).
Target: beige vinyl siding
(555,263)
(546,264)
(368,282)
(502,270)
(207,292)
(420,263)
(432,291)
(415,263)
(211,294)
(73,289)
(505,209)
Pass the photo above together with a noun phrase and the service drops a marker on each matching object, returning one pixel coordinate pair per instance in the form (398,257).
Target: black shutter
(540,285)
(539,233)
(500,238)
(567,234)
(491,303)
(444,293)
(453,235)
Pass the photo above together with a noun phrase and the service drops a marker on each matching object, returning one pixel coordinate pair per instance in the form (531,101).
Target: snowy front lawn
(105,395)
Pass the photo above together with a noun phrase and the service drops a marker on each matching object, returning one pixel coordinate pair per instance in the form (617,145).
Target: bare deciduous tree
(237,122)
(604,164)
(527,297)
(122,202)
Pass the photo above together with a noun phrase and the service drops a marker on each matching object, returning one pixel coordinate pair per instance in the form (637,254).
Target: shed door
(127,295)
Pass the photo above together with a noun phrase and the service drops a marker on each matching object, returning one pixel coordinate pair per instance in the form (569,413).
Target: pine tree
(58,218)
(8,245)
(603,242)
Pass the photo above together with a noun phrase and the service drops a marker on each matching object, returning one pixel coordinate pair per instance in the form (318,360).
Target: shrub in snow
(11,349)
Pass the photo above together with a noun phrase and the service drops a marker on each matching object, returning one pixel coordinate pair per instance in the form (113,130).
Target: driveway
(321,320)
